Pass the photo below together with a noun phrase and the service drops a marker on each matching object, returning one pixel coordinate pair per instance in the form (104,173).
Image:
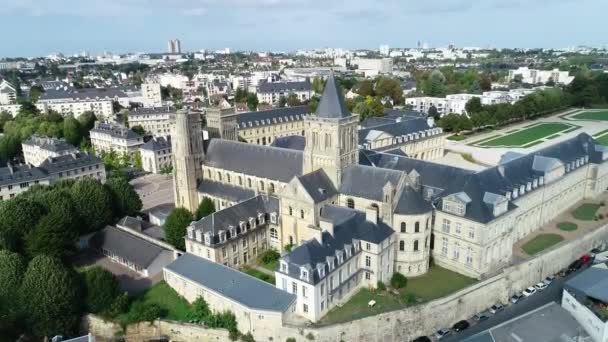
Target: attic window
(304,274)
(283,266)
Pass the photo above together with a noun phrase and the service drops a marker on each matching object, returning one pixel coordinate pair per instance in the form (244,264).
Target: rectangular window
(445,226)
(367,246)
(367,276)
(322,305)
(471,233)
(303,291)
(294,288)
(444,246)
(322,289)
(458,227)
(284,283)
(368,261)
(234,247)
(305,307)
(469,256)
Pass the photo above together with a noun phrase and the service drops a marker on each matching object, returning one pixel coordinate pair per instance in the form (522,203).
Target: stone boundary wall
(400,325)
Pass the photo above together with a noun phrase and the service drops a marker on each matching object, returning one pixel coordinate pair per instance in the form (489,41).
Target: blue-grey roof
(152,110)
(83,94)
(157,144)
(115,130)
(50,143)
(272,116)
(593,282)
(411,202)
(225,191)
(349,225)
(332,105)
(293,142)
(69,161)
(130,247)
(276,87)
(318,185)
(367,182)
(263,161)
(13,174)
(230,283)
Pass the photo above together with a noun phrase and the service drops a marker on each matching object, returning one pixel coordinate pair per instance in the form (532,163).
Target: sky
(41,27)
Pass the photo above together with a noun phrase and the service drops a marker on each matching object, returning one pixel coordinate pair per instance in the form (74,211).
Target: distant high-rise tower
(188,154)
(331,135)
(385,50)
(174,46)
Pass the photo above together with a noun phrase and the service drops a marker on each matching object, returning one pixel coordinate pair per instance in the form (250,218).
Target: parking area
(129,280)
(154,190)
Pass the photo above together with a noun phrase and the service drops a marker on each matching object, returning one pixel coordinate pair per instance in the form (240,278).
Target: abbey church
(345,217)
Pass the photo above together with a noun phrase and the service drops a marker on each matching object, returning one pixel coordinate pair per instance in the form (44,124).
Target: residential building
(264,127)
(106,137)
(534,76)
(156,155)
(37,149)
(151,95)
(371,67)
(586,298)
(221,122)
(15,179)
(271,93)
(257,305)
(236,235)
(135,252)
(8,93)
(174,46)
(77,101)
(156,121)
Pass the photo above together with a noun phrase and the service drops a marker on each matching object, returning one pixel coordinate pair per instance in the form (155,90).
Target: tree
(473,105)
(200,311)
(433,112)
(87,122)
(205,208)
(485,83)
(366,88)
(35,92)
(175,227)
(72,131)
(139,130)
(18,216)
(252,102)
(136,158)
(293,100)
(282,101)
(124,197)
(116,107)
(102,289)
(318,85)
(51,295)
(93,203)
(55,235)
(166,169)
(398,281)
(4,118)
(435,85)
(391,87)
(12,267)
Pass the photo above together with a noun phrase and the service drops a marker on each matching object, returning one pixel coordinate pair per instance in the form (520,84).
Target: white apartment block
(534,76)
(101,108)
(8,94)
(156,154)
(151,96)
(373,66)
(106,137)
(271,93)
(38,149)
(156,121)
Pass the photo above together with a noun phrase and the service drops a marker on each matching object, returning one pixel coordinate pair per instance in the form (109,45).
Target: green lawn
(357,307)
(271,266)
(436,283)
(527,135)
(541,242)
(161,294)
(592,115)
(586,212)
(603,140)
(567,226)
(600,133)
(457,137)
(258,274)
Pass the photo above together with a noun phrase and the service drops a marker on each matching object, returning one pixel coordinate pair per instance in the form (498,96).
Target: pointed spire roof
(332,104)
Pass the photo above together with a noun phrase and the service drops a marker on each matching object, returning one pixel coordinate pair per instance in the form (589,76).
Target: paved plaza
(154,190)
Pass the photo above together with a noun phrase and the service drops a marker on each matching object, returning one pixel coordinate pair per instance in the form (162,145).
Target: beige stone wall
(266,135)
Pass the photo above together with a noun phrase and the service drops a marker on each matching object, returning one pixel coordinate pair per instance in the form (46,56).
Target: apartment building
(156,155)
(37,149)
(106,137)
(535,76)
(271,93)
(156,121)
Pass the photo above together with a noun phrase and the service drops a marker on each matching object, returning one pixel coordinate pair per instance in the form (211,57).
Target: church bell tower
(188,153)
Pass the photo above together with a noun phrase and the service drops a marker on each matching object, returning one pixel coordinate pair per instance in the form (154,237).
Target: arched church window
(403,227)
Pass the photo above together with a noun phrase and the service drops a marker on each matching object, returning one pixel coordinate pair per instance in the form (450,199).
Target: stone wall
(401,325)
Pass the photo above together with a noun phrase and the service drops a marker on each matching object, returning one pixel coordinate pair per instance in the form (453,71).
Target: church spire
(332,104)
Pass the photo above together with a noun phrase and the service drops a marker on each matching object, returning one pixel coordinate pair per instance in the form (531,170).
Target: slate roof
(128,246)
(411,202)
(234,215)
(237,286)
(83,94)
(69,162)
(593,282)
(367,182)
(115,130)
(13,174)
(263,161)
(271,117)
(349,225)
(404,127)
(318,185)
(152,110)
(293,142)
(276,87)
(50,143)
(221,190)
(157,144)
(332,105)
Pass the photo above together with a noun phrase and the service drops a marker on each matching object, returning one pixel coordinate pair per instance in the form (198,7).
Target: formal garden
(595,115)
(586,211)
(541,242)
(567,226)
(527,136)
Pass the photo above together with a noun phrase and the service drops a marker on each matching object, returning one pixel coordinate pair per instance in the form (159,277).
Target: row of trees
(447,80)
(30,121)
(244,96)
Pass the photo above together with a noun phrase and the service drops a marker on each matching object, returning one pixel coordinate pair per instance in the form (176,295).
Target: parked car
(574,266)
(496,308)
(585,259)
(516,298)
(441,333)
(460,325)
(529,291)
(422,339)
(540,286)
(480,317)
(594,252)
(549,280)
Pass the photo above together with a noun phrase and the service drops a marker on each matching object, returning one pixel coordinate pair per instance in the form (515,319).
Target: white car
(549,280)
(529,291)
(540,286)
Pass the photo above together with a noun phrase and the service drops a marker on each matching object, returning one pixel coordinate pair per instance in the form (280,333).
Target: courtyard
(527,136)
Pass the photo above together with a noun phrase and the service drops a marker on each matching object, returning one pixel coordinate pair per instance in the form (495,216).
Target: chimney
(371,214)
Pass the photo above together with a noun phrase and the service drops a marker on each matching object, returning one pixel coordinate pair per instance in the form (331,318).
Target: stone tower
(331,135)
(188,153)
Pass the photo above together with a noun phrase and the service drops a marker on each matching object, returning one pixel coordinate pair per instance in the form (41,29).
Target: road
(551,294)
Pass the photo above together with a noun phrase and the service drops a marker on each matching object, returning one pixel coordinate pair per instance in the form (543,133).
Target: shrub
(102,289)
(600,216)
(247,337)
(409,298)
(310,336)
(381,286)
(288,248)
(290,339)
(148,312)
(269,256)
(398,281)
(120,305)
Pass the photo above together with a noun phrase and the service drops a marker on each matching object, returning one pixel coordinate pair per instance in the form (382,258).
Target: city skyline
(146,25)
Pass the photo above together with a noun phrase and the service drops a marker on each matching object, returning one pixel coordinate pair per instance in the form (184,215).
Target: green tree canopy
(55,235)
(72,131)
(93,203)
(18,216)
(52,297)
(293,100)
(12,268)
(205,208)
(175,227)
(473,105)
(436,84)
(390,87)
(102,289)
(124,197)
(139,130)
(87,122)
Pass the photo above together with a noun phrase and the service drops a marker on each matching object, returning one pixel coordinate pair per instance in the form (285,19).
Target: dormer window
(198,235)
(283,267)
(233,232)
(207,238)
(222,236)
(261,218)
(321,272)
(273,218)
(252,222)
(529,186)
(541,180)
(515,193)
(535,183)
(522,190)
(243,226)
(190,232)
(303,274)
